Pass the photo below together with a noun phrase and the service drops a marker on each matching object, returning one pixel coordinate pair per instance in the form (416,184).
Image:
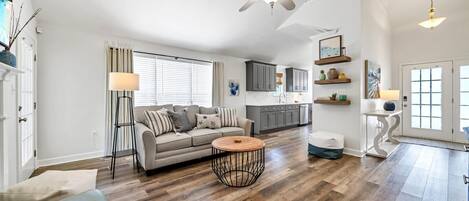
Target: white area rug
(52,185)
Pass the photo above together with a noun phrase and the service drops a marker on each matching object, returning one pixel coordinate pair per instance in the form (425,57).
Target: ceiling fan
(287,4)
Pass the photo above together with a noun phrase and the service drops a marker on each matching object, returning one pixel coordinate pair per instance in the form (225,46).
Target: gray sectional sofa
(171,148)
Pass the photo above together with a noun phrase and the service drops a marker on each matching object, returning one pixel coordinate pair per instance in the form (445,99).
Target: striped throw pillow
(159,122)
(228,117)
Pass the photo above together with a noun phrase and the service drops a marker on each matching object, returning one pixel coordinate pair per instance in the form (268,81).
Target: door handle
(405,105)
(22,120)
(465,179)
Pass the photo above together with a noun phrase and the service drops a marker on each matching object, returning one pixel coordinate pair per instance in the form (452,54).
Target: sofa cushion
(139,112)
(231,131)
(180,121)
(172,141)
(159,121)
(208,110)
(192,110)
(203,136)
(208,121)
(228,117)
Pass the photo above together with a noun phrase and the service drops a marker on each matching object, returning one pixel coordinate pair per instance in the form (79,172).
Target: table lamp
(123,82)
(389,96)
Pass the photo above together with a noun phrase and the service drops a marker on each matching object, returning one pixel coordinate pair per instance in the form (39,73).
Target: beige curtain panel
(218,89)
(117,60)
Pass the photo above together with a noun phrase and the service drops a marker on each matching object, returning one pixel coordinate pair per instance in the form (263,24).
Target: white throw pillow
(208,121)
(159,121)
(228,117)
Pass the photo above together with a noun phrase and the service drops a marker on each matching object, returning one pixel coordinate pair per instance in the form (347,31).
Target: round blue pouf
(8,58)
(389,106)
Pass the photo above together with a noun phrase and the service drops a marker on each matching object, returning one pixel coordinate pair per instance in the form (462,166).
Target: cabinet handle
(465,179)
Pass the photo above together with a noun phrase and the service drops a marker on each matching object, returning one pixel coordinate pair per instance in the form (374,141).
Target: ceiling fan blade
(287,4)
(247,5)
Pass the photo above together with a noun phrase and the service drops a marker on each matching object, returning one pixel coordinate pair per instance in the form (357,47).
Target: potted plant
(6,56)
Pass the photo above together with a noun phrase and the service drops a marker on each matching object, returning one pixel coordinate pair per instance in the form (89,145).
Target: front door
(461,99)
(427,100)
(26,107)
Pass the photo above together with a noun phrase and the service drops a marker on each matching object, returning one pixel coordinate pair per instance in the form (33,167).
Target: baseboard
(353,152)
(69,158)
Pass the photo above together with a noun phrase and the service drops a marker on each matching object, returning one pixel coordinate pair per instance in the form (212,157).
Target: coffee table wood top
(238,144)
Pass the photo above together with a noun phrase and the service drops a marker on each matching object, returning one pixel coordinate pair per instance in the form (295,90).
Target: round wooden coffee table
(242,160)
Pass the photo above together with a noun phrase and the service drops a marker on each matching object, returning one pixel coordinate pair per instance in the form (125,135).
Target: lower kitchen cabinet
(273,116)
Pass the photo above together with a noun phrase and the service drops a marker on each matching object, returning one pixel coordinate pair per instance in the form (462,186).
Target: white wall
(71,89)
(376,47)
(340,119)
(414,44)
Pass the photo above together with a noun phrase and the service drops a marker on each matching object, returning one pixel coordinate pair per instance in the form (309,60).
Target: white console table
(384,143)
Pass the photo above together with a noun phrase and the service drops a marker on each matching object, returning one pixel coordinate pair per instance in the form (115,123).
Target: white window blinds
(164,80)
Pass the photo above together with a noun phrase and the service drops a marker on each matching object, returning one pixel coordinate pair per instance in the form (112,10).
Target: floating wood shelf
(333,60)
(335,81)
(332,102)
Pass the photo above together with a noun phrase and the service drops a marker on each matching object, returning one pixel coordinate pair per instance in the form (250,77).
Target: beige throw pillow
(208,121)
(159,122)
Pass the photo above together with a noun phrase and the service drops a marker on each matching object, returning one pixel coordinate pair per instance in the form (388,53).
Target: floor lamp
(123,82)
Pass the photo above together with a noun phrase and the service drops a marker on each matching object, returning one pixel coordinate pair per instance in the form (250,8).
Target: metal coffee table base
(238,169)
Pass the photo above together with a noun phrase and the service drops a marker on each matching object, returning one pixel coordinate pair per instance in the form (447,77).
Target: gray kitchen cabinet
(260,76)
(273,116)
(296,80)
(280,118)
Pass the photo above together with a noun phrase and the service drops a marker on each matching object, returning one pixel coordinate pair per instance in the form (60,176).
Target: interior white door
(26,108)
(461,99)
(427,101)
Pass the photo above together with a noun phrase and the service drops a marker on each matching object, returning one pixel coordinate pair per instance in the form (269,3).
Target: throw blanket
(52,185)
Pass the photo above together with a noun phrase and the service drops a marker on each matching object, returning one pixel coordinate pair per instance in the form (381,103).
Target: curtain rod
(163,55)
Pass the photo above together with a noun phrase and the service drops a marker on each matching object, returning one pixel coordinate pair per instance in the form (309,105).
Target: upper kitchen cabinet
(297,80)
(260,76)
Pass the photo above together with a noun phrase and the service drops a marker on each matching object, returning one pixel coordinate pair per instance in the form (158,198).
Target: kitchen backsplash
(266,98)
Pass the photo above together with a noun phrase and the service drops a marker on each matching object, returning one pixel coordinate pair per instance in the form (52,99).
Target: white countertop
(274,104)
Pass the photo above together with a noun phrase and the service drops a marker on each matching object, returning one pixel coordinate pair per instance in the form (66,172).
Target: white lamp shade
(123,82)
(390,95)
(432,22)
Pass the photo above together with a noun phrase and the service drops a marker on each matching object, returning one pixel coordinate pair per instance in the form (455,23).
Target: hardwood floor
(413,172)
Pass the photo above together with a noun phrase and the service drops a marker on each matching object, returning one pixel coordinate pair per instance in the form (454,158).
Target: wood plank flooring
(413,172)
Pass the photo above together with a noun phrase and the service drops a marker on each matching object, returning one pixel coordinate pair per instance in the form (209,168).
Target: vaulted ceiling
(204,25)
(411,12)
(216,25)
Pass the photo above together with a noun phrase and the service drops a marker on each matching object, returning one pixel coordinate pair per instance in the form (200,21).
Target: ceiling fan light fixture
(432,21)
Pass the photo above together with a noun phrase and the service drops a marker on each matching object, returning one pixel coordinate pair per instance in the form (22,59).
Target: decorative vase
(389,106)
(332,74)
(8,58)
(322,76)
(342,76)
(342,97)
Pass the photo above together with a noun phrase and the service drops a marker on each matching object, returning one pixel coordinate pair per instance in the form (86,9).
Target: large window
(166,80)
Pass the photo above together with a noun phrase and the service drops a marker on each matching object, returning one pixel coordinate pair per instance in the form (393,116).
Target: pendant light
(433,21)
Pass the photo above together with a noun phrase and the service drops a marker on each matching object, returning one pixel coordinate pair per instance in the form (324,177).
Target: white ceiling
(204,25)
(405,12)
(216,25)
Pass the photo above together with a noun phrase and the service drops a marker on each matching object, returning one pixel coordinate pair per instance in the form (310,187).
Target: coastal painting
(330,47)
(373,80)
(233,87)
